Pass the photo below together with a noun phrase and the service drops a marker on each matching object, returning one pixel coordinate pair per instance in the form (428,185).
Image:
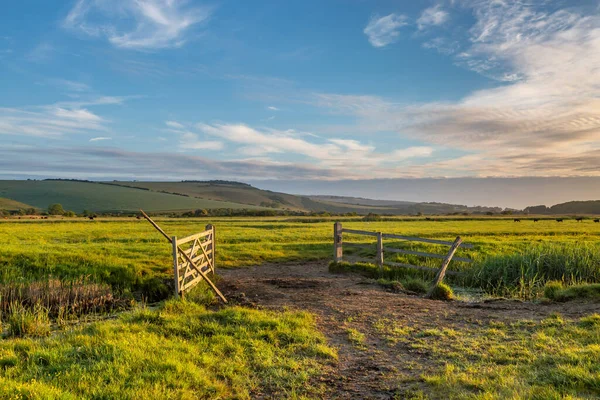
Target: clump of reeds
(525,274)
(59,297)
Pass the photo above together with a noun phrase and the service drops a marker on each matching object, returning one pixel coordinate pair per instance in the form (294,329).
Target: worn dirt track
(373,370)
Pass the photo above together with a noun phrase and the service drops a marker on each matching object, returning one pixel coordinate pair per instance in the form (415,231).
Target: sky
(350,97)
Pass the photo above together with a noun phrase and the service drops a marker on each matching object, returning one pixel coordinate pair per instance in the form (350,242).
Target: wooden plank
(175,264)
(198,263)
(196,250)
(357,232)
(419,267)
(442,272)
(359,245)
(193,237)
(210,248)
(422,254)
(416,239)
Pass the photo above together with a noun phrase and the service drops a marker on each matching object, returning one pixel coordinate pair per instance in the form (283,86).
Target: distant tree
(21,211)
(86,213)
(31,211)
(69,214)
(489,213)
(56,209)
(200,213)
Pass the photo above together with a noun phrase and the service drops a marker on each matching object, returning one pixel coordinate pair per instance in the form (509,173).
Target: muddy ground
(371,369)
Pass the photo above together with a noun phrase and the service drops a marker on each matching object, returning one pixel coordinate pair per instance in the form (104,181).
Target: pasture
(201,349)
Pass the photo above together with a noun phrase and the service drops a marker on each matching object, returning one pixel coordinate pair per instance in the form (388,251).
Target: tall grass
(60,297)
(525,273)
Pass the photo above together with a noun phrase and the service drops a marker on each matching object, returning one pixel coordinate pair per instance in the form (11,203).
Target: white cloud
(174,125)
(382,31)
(432,16)
(272,108)
(136,24)
(542,120)
(100,138)
(348,158)
(48,121)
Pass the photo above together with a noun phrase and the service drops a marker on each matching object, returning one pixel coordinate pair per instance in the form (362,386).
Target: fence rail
(338,254)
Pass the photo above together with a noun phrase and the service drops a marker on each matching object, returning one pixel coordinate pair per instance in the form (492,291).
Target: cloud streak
(136,24)
(383,31)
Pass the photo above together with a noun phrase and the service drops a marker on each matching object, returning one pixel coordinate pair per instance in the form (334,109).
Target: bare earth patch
(360,318)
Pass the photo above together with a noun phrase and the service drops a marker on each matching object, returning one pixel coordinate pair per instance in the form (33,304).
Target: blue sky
(309,90)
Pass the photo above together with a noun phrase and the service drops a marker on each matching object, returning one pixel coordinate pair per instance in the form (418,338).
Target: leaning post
(176,266)
(212,244)
(442,272)
(337,242)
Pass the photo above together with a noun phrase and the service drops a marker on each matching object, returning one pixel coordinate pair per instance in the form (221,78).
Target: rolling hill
(13,205)
(125,196)
(101,197)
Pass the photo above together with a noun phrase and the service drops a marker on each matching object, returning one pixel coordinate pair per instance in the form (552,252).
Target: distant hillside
(13,205)
(571,207)
(98,197)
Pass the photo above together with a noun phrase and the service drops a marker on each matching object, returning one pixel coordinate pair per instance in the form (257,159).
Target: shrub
(25,322)
(56,209)
(442,292)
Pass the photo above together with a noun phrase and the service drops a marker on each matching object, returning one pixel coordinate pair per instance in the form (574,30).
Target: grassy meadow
(187,350)
(510,258)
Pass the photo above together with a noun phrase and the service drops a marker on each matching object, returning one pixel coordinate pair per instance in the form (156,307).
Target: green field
(240,353)
(97,197)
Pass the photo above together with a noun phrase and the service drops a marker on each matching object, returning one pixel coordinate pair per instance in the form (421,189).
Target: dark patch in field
(296,283)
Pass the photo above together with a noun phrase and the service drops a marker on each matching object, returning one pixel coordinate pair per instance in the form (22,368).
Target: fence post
(176,265)
(442,272)
(212,245)
(337,242)
(380,250)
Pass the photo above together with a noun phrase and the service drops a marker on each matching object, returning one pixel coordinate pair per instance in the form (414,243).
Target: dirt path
(346,303)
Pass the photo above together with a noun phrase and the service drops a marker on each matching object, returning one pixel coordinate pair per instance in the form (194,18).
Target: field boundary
(338,252)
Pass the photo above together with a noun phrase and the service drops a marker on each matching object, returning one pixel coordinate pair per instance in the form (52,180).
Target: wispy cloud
(58,119)
(272,108)
(346,156)
(136,24)
(100,138)
(432,16)
(43,52)
(190,140)
(542,120)
(382,31)
(72,86)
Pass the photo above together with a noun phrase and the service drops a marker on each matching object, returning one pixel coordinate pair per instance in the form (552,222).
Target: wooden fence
(338,252)
(193,259)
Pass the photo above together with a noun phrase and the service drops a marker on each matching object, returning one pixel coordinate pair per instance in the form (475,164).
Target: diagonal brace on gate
(188,258)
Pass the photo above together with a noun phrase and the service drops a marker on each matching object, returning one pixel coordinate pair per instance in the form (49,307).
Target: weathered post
(442,272)
(380,251)
(176,265)
(212,244)
(337,242)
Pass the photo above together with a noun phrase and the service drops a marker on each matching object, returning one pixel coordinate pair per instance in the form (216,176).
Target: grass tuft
(23,321)
(442,292)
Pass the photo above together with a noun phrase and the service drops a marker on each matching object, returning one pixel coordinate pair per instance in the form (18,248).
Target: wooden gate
(200,249)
